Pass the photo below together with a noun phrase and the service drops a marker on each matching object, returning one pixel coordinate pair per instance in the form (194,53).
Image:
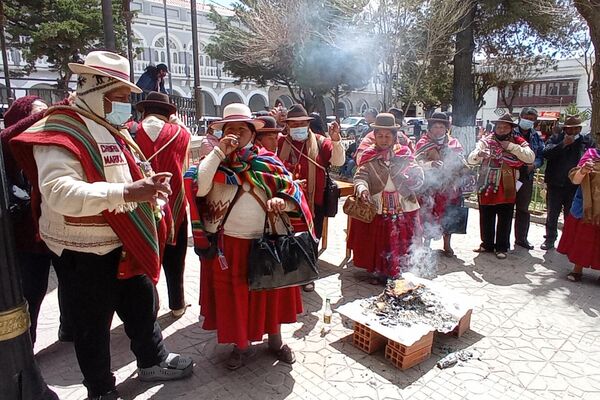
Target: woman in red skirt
(581,233)
(239,185)
(387,175)
(441,157)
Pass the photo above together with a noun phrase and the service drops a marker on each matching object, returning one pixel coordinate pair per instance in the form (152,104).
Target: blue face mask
(525,124)
(218,134)
(299,134)
(120,113)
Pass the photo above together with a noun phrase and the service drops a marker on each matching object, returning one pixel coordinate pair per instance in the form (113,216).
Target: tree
(311,47)
(520,29)
(60,30)
(590,11)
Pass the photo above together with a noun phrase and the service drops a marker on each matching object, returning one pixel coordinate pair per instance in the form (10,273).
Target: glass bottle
(328,312)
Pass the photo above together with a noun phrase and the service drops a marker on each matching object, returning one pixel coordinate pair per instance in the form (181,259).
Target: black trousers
(557,199)
(495,223)
(522,214)
(174,267)
(93,294)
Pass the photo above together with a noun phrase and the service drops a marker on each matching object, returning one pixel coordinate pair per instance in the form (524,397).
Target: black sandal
(574,276)
(285,354)
(482,249)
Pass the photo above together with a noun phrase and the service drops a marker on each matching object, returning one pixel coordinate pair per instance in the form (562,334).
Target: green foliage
(312,47)
(572,109)
(61,30)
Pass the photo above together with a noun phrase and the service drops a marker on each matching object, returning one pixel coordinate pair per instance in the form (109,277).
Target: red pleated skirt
(238,314)
(381,246)
(580,242)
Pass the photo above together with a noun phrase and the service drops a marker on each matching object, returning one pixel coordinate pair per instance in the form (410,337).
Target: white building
(550,92)
(217,86)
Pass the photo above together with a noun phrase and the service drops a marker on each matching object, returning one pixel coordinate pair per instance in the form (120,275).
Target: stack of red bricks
(403,357)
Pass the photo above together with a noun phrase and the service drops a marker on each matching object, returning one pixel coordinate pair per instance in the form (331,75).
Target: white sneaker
(174,367)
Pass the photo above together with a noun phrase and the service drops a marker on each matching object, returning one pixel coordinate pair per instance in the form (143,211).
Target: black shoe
(525,245)
(112,395)
(64,335)
(547,245)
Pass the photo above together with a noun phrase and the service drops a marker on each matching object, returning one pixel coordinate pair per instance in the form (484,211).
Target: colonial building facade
(217,85)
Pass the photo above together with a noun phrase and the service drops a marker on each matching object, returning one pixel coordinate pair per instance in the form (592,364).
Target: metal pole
(196,54)
(20,376)
(128,17)
(107,23)
(9,96)
(167,46)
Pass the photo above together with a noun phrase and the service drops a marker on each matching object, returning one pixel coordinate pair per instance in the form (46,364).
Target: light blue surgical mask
(218,134)
(299,134)
(525,124)
(120,113)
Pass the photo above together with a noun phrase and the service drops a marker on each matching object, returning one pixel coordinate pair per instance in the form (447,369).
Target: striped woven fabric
(142,237)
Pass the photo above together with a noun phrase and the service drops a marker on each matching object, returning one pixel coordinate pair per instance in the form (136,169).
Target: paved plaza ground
(538,336)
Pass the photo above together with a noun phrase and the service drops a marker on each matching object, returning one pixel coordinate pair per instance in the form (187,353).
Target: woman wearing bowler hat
(387,175)
(500,156)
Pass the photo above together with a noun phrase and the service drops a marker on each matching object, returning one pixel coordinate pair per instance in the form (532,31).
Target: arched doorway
(229,98)
(362,106)
(328,106)
(285,100)
(257,103)
(342,112)
(208,105)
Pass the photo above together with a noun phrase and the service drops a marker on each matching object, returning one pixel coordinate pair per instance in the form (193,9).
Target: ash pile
(405,304)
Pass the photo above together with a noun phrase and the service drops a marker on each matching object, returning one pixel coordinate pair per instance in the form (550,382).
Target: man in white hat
(99,218)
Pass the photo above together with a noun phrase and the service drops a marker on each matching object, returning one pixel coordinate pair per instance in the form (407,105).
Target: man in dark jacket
(525,130)
(153,79)
(563,151)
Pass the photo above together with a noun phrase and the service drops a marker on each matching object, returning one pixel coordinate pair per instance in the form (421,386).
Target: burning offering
(404,303)
(409,309)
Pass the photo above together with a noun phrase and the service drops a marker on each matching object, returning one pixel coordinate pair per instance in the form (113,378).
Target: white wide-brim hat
(105,63)
(237,112)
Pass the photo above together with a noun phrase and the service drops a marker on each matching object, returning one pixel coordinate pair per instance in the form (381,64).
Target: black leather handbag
(331,197)
(280,261)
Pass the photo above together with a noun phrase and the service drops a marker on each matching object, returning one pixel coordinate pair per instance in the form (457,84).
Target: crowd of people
(108,201)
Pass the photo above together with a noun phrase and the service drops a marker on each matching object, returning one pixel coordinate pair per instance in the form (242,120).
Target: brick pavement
(538,336)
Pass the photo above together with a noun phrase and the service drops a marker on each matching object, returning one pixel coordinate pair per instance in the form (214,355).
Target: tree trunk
(464,110)
(590,11)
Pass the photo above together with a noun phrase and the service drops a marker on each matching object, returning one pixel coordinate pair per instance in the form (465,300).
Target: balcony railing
(183,70)
(533,101)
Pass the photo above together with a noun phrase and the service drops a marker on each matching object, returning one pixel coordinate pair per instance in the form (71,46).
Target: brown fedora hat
(507,119)
(297,112)
(156,99)
(270,125)
(573,121)
(439,117)
(385,121)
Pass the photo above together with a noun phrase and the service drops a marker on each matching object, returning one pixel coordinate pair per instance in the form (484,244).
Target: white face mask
(248,145)
(120,113)
(299,134)
(525,124)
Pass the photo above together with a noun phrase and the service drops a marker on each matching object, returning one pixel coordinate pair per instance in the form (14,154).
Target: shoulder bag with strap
(331,192)
(280,261)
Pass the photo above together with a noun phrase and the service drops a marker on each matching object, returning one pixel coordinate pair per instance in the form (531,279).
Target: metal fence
(186,106)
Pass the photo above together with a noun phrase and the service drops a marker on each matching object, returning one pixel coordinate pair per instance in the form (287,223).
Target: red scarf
(171,159)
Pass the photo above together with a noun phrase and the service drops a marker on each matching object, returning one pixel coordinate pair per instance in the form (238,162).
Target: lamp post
(107,23)
(196,54)
(167,47)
